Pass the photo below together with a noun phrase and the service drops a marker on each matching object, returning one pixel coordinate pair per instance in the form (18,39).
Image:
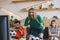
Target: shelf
(43,9)
(17,1)
(48,9)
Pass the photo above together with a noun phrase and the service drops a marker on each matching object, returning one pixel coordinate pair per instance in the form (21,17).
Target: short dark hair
(17,22)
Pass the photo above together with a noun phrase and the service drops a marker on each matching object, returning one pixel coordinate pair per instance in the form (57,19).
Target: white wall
(49,14)
(16,7)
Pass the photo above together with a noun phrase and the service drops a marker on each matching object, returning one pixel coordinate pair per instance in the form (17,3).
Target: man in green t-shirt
(34,23)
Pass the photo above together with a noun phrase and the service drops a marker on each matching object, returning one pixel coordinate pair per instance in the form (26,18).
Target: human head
(17,23)
(31,13)
(53,23)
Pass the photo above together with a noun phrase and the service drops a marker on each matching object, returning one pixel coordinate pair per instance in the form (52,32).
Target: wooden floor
(18,39)
(22,39)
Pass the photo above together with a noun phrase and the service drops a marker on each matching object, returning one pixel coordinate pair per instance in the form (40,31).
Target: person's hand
(43,27)
(28,26)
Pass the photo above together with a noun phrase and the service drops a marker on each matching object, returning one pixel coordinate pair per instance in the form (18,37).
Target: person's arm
(49,32)
(41,21)
(53,34)
(26,23)
(58,34)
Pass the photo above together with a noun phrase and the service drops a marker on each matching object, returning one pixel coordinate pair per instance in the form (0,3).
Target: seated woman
(53,31)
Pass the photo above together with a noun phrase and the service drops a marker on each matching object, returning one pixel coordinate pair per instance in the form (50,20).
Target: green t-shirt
(34,23)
